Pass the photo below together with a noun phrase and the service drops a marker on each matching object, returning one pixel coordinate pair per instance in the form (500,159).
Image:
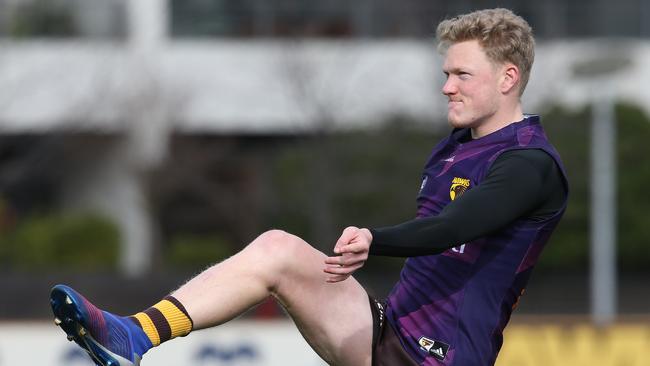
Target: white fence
(556,342)
(241,343)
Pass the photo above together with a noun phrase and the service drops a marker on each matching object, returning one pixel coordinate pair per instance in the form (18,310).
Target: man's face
(471,86)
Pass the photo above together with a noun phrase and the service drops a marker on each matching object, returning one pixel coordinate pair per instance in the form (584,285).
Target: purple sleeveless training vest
(451,308)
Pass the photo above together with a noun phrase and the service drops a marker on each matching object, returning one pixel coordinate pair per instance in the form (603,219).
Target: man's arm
(519,183)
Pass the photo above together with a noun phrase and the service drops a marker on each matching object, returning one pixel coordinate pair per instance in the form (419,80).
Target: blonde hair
(503,35)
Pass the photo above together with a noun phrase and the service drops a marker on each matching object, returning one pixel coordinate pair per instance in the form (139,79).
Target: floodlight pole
(604,292)
(598,75)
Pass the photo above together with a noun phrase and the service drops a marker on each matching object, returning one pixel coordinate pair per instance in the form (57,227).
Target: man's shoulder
(534,155)
(524,162)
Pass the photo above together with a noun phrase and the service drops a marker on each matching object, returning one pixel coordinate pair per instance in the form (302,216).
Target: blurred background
(141,141)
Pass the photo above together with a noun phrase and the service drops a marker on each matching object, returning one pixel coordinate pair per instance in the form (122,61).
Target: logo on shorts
(458,187)
(435,348)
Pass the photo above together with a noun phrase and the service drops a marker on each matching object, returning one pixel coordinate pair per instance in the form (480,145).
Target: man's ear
(509,78)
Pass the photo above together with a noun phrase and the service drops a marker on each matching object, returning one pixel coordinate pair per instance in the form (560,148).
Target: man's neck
(499,120)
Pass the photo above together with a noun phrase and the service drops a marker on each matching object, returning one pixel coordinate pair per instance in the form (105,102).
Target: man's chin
(455,123)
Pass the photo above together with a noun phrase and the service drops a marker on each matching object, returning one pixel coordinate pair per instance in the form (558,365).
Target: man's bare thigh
(334,318)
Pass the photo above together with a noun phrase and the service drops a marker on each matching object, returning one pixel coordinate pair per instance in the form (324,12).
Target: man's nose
(449,87)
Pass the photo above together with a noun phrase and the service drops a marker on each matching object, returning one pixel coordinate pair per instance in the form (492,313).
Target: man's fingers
(353,256)
(340,260)
(342,270)
(346,260)
(348,234)
(334,279)
(353,248)
(334,260)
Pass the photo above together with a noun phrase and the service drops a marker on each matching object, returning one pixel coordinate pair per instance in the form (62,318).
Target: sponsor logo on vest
(435,348)
(458,187)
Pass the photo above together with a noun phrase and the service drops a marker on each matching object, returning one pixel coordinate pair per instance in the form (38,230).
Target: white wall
(263,86)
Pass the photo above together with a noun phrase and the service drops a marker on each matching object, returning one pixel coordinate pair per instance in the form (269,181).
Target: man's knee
(279,246)
(278,256)
(274,236)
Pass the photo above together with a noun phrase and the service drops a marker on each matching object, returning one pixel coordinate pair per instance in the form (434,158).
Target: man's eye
(464,75)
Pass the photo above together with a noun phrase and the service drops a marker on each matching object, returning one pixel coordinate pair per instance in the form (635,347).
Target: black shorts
(386,347)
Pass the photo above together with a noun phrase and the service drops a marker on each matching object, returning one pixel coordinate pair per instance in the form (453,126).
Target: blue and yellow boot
(110,340)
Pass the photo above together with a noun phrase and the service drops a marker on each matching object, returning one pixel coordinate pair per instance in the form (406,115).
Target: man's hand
(352,249)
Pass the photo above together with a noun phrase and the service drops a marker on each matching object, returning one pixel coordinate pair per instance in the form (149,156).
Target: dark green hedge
(60,242)
(319,185)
